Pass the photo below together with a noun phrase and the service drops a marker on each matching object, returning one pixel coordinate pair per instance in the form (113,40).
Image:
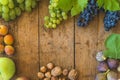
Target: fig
(100,57)
(102,67)
(112,63)
(101,76)
(112,76)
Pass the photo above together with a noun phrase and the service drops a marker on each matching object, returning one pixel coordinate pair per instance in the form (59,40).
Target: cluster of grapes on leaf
(110,20)
(10,9)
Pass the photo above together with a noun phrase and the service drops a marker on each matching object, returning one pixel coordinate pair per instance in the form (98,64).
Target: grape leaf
(65,5)
(111,5)
(78,7)
(112,44)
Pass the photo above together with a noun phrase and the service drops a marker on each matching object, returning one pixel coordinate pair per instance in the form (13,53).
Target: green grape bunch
(11,9)
(56,15)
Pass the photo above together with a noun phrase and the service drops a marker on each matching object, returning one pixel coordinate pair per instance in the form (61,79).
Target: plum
(112,63)
(102,67)
(101,76)
(112,76)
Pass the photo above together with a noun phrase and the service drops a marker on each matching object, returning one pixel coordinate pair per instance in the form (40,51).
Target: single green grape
(18,11)
(50,7)
(46,18)
(34,3)
(54,21)
(54,25)
(65,17)
(5,9)
(5,16)
(12,14)
(58,21)
(4,2)
(63,14)
(20,1)
(58,15)
(11,4)
(22,6)
(53,14)
(28,9)
(28,3)
(49,24)
(54,4)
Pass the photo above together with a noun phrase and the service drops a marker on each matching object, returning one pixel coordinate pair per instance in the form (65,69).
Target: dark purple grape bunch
(107,67)
(88,13)
(111,19)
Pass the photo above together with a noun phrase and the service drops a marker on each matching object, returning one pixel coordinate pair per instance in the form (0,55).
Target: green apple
(7,68)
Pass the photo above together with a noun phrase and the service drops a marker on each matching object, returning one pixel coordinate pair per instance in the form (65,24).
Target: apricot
(9,50)
(1,48)
(8,39)
(3,30)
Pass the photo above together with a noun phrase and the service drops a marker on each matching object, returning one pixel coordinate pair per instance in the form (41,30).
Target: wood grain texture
(68,46)
(85,50)
(56,45)
(26,45)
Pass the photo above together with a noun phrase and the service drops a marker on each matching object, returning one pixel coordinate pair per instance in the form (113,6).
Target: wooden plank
(25,33)
(85,50)
(56,45)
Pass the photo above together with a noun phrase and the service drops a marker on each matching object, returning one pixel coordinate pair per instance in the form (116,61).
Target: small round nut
(50,66)
(65,72)
(54,78)
(40,75)
(46,79)
(48,74)
(73,74)
(56,71)
(43,69)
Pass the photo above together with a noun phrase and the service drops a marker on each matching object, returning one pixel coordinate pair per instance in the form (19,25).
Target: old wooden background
(68,46)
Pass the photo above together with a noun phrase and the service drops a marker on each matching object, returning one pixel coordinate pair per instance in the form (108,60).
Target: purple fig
(102,67)
(112,76)
(112,63)
(101,76)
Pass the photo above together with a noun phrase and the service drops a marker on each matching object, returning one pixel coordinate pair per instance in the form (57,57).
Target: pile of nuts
(6,41)
(107,67)
(52,72)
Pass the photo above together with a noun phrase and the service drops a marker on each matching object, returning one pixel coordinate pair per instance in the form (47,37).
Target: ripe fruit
(3,30)
(8,39)
(1,48)
(22,78)
(9,50)
(7,68)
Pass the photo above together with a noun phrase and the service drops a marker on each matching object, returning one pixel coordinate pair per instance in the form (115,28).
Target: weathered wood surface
(68,46)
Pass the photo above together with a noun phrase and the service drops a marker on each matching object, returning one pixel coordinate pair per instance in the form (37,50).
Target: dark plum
(102,67)
(112,63)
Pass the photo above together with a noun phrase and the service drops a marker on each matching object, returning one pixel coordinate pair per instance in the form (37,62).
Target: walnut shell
(56,71)
(73,74)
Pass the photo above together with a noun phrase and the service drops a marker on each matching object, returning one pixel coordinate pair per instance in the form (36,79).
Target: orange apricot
(9,50)
(3,30)
(8,39)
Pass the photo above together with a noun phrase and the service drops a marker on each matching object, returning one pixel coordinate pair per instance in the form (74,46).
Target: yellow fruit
(3,30)
(9,50)
(8,39)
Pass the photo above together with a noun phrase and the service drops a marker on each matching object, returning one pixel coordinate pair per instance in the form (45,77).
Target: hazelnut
(48,74)
(43,69)
(46,79)
(72,74)
(40,75)
(56,71)
(54,78)
(50,66)
(65,72)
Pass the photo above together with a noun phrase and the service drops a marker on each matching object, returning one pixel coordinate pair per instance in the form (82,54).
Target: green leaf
(111,5)
(112,45)
(78,6)
(65,5)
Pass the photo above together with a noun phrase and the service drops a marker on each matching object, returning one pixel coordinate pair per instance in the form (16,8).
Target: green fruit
(7,68)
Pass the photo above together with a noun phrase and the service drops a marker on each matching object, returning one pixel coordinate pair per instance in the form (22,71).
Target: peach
(1,48)
(9,50)
(8,39)
(3,30)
